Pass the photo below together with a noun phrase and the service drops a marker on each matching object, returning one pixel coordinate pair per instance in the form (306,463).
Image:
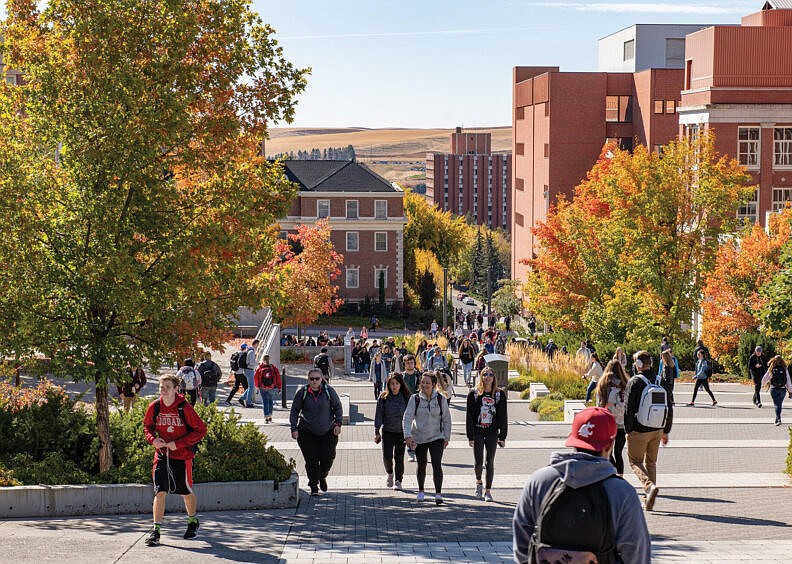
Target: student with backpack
(378,374)
(239,374)
(648,417)
(577,509)
(703,372)
(610,395)
(248,364)
(388,418)
(427,430)
(486,427)
(268,381)
(324,363)
(777,379)
(210,376)
(190,380)
(173,428)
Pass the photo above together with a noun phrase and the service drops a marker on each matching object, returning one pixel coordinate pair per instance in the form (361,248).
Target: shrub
(551,410)
(518,384)
(7,479)
(53,469)
(291,354)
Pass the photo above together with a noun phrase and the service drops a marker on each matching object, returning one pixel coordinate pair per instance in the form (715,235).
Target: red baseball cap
(592,429)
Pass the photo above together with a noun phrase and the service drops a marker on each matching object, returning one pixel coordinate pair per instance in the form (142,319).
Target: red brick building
(471,179)
(367,215)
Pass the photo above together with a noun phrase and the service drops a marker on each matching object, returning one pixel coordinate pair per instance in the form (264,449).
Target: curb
(115,499)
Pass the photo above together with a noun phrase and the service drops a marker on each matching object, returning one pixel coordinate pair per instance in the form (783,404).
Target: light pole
(445,297)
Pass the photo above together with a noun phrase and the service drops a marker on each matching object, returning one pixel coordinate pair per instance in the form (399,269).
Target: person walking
(593,373)
(324,363)
(777,379)
(612,520)
(378,373)
(130,388)
(239,374)
(388,428)
(248,363)
(268,381)
(190,380)
(703,372)
(467,355)
(427,429)
(610,395)
(668,372)
(487,425)
(173,428)
(315,420)
(412,378)
(210,376)
(757,368)
(621,358)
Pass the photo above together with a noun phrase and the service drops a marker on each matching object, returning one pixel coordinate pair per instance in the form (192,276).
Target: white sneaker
(479,489)
(487,496)
(420,496)
(651,495)
(397,485)
(389,481)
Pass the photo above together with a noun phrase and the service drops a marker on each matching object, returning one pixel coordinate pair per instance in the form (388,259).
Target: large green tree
(136,204)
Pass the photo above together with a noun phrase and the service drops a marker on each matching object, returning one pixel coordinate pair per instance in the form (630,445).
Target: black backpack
(235,360)
(242,359)
(322,362)
(778,378)
(439,406)
(180,409)
(573,523)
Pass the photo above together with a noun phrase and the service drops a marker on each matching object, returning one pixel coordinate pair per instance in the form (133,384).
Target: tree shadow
(727,519)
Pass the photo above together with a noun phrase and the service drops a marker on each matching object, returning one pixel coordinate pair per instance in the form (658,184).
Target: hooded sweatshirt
(576,470)
(430,422)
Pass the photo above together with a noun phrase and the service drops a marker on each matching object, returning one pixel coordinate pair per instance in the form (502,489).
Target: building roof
(335,176)
(777,5)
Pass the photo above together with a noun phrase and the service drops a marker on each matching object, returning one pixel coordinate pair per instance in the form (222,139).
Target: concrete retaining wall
(109,499)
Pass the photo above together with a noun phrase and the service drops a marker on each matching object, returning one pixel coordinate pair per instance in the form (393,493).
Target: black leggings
(435,448)
(702,383)
(618,446)
(393,447)
(377,389)
(757,389)
(239,380)
(484,438)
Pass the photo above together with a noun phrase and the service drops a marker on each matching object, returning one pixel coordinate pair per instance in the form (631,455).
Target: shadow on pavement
(727,519)
(697,499)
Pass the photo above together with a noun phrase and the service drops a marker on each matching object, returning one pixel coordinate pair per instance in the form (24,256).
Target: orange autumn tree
(298,285)
(136,203)
(625,260)
(732,295)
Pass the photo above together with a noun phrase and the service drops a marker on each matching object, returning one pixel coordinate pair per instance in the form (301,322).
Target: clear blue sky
(442,63)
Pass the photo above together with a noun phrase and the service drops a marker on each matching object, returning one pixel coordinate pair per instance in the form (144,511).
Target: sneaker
(323,484)
(691,404)
(389,481)
(714,402)
(759,404)
(479,489)
(778,422)
(154,538)
(241,402)
(192,527)
(651,494)
(314,491)
(397,485)
(420,496)
(411,456)
(438,499)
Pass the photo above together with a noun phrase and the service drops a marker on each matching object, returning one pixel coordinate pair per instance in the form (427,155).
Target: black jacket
(632,393)
(757,372)
(500,422)
(210,373)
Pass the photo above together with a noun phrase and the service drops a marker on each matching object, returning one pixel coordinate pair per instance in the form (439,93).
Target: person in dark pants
(388,417)
(777,378)
(610,395)
(378,373)
(703,372)
(486,427)
(315,419)
(757,368)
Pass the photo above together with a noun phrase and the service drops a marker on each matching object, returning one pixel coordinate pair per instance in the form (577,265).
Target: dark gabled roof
(335,176)
(777,5)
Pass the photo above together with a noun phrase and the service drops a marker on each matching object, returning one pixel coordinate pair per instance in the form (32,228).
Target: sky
(447,63)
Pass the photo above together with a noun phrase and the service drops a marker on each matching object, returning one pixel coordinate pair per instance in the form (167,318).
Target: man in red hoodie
(173,427)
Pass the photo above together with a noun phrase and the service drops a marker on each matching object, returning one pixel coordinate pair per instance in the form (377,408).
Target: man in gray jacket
(592,436)
(315,419)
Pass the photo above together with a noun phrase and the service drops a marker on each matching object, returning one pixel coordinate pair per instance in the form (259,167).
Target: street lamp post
(445,297)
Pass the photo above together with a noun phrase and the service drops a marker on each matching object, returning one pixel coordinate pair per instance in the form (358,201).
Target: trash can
(500,366)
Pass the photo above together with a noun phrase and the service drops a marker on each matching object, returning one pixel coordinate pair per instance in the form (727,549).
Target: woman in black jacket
(389,415)
(487,426)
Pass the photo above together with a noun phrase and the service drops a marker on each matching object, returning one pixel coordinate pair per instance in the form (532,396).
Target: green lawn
(357,321)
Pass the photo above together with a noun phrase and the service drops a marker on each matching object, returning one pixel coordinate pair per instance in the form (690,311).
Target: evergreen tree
(381,288)
(427,290)
(350,152)
(480,263)
(496,270)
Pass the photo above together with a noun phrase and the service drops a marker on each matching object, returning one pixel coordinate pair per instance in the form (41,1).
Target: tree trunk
(103,427)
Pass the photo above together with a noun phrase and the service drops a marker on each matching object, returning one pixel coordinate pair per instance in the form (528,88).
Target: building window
(547,150)
(11,79)
(519,184)
(783,146)
(519,113)
(692,133)
(351,209)
(618,109)
(352,277)
(658,107)
(380,209)
(519,148)
(629,50)
(518,219)
(675,53)
(780,198)
(748,146)
(380,241)
(322,208)
(377,272)
(547,199)
(352,241)
(747,211)
(671,106)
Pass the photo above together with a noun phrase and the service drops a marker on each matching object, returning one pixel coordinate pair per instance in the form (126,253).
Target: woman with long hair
(703,372)
(594,373)
(467,354)
(777,379)
(620,357)
(427,430)
(610,395)
(486,427)
(668,372)
(420,353)
(378,373)
(388,417)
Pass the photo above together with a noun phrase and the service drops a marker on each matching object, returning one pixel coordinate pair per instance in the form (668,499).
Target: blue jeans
(467,370)
(209,394)
(250,393)
(267,401)
(590,390)
(778,400)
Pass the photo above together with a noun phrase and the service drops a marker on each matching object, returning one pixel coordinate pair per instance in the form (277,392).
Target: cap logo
(586,430)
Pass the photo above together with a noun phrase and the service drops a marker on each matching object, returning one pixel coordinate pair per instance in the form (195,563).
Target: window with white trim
(780,198)
(352,277)
(747,211)
(380,241)
(377,272)
(629,50)
(352,241)
(782,149)
(322,208)
(352,209)
(381,209)
(748,146)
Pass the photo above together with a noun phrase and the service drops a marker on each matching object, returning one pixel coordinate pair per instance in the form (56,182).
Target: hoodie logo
(586,430)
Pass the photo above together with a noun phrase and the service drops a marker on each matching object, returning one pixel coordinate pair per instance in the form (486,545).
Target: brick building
(367,216)
(471,179)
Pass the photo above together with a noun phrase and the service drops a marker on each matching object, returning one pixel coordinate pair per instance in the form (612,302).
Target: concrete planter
(109,499)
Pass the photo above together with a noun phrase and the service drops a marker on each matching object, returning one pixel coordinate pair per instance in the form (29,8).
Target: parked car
(461,296)
(469,301)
